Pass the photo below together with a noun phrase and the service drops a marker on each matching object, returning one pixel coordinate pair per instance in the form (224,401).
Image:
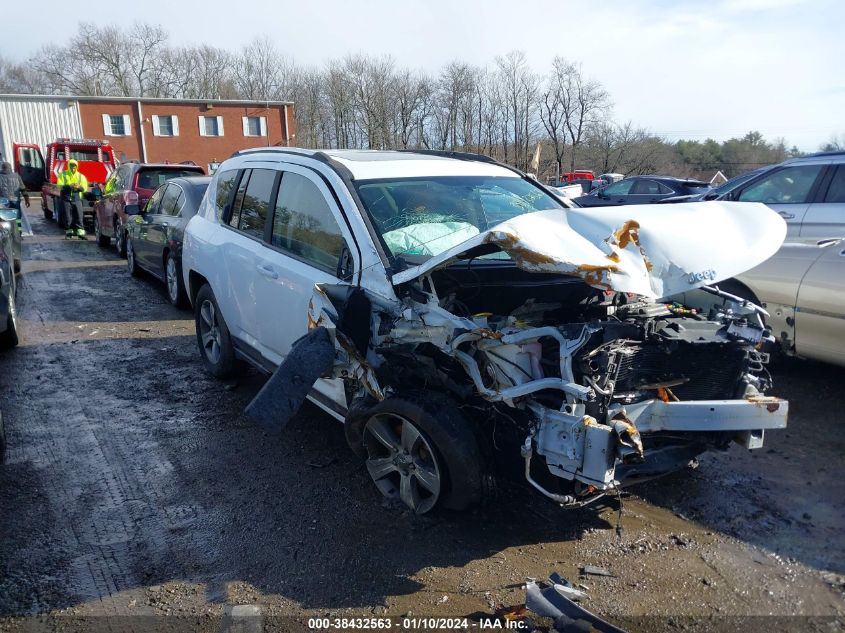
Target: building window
(211,125)
(255,126)
(116,125)
(166,125)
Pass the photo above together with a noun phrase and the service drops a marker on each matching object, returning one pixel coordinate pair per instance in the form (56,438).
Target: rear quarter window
(223,192)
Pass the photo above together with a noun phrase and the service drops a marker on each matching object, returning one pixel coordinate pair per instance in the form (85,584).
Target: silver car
(802,287)
(808,192)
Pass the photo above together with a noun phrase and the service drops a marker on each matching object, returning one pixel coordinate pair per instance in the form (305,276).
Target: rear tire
(213,338)
(131,263)
(9,338)
(119,238)
(102,240)
(173,282)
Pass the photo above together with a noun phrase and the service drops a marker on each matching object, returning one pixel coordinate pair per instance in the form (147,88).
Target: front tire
(215,343)
(422,451)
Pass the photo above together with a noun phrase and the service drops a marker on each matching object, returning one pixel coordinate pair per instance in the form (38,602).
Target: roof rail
(451,154)
(283,150)
(837,152)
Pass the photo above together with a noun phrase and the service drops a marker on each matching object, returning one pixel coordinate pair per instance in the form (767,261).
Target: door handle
(267,271)
(785,215)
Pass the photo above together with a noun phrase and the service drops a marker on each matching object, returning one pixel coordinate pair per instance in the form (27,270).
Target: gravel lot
(134,486)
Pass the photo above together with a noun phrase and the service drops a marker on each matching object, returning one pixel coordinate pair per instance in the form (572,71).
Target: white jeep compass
(462,322)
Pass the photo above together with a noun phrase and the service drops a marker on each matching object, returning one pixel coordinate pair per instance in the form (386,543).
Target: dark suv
(642,190)
(127,191)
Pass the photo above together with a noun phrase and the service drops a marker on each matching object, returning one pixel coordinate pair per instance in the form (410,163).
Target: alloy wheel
(210,332)
(401,461)
(170,273)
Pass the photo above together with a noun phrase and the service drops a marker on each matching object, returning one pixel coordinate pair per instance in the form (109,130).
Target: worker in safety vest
(72,183)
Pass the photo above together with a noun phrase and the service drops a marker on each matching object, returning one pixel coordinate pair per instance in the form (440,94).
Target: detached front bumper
(578,447)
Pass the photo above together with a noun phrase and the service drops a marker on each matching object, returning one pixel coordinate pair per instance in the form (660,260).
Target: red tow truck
(96,162)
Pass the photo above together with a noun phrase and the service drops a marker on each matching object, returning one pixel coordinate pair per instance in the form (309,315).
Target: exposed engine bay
(605,388)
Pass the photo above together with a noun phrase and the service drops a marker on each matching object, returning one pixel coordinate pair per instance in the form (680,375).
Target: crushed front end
(555,326)
(604,390)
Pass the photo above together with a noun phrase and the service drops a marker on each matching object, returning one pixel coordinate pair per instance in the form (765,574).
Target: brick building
(205,131)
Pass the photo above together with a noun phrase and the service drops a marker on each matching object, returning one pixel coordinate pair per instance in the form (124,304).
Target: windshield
(426,216)
(154,178)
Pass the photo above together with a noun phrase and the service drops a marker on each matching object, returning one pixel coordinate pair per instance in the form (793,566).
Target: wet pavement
(135,486)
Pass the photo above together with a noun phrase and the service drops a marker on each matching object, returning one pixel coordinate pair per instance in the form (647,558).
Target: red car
(127,191)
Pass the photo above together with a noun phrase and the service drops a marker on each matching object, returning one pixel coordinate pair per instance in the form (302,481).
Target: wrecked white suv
(462,322)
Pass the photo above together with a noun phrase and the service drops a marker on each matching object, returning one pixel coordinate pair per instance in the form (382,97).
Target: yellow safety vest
(69,178)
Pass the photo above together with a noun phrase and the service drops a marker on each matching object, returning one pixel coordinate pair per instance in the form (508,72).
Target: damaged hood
(650,250)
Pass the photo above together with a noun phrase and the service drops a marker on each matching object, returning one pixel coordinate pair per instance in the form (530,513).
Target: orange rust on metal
(511,243)
(663,394)
(488,333)
(592,274)
(529,256)
(627,234)
(614,257)
(772,404)
(589,420)
(591,268)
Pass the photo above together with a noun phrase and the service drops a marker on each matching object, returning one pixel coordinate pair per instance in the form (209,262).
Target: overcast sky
(683,69)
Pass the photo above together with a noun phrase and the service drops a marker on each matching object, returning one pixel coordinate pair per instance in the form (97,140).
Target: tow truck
(96,163)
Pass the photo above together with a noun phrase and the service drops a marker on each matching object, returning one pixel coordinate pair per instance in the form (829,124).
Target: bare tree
(257,70)
(18,78)
(518,86)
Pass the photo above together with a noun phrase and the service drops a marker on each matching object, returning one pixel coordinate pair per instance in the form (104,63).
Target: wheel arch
(195,282)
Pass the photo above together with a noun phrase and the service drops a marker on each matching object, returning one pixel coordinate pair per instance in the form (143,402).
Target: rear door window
(304,225)
(791,185)
(649,187)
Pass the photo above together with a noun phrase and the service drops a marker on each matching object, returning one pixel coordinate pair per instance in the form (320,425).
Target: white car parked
(460,320)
